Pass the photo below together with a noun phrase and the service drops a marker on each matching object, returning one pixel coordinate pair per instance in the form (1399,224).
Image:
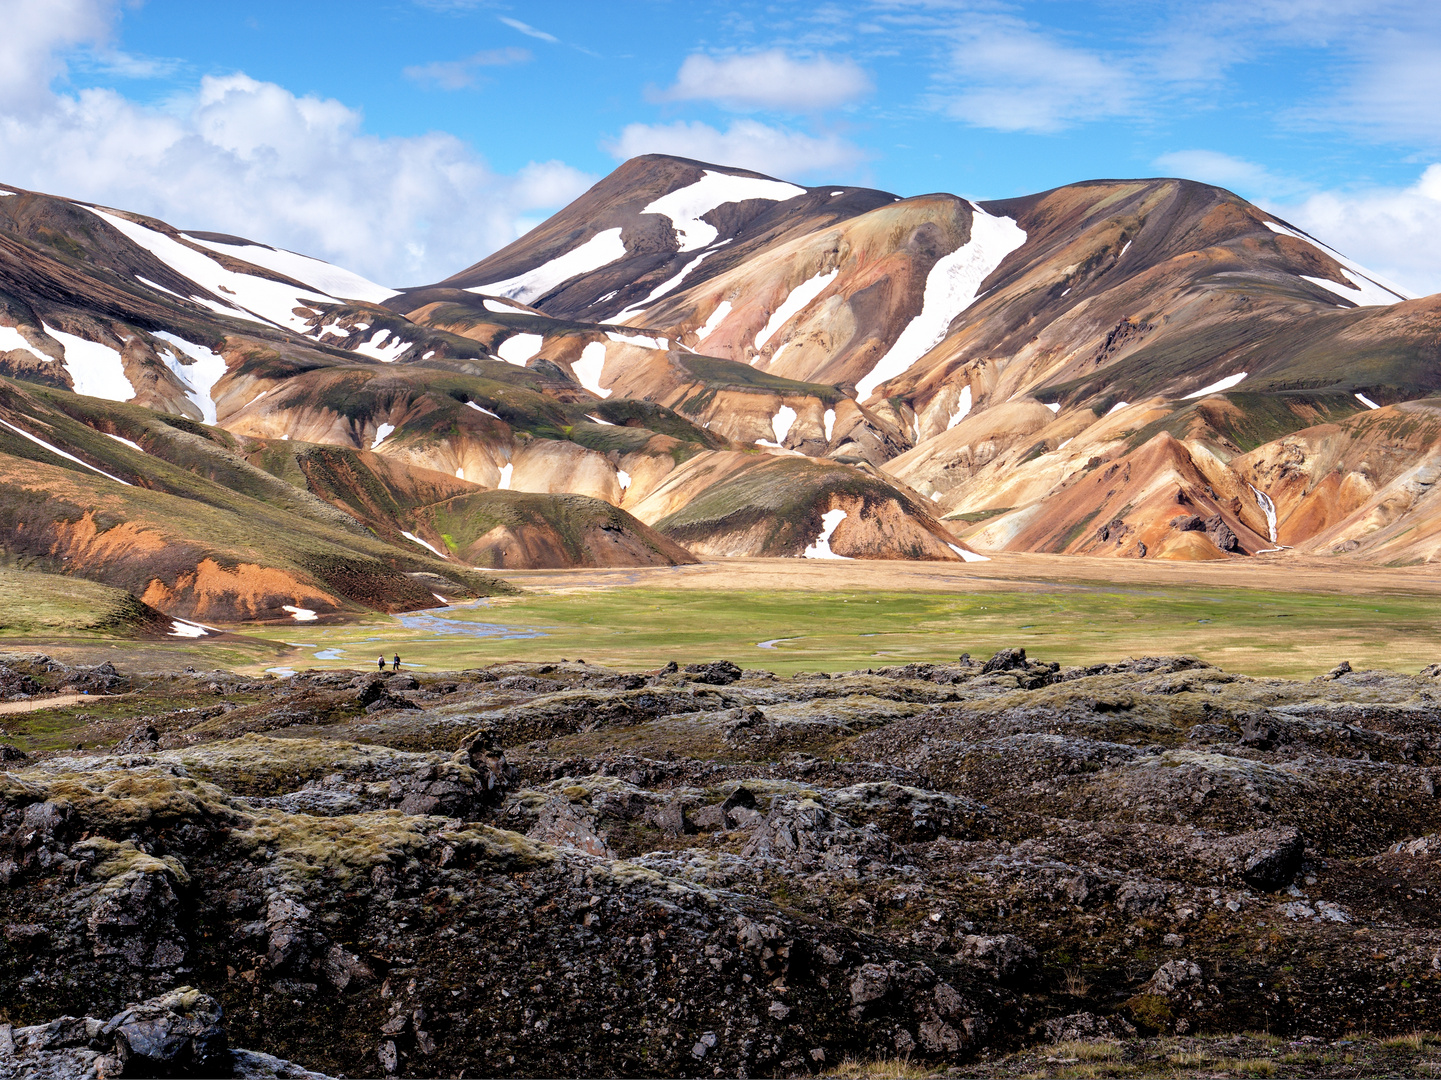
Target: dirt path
(35,704)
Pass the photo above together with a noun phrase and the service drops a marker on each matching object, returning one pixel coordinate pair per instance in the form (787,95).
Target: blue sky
(407,138)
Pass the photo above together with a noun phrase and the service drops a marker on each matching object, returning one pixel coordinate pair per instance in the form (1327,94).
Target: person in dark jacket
(397,662)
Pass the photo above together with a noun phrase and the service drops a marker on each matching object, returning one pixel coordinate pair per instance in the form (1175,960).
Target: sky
(406,139)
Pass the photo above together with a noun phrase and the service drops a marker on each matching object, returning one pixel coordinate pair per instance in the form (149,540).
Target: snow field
(181,628)
(587,369)
(381,434)
(598,420)
(821,549)
(797,299)
(1054,406)
(254,298)
(665,286)
(299,614)
(96,369)
(10,338)
(830,422)
(319,275)
(518,348)
(1364,400)
(61,453)
(505,473)
(686,206)
(623,478)
(482,408)
(200,377)
(1216,387)
(1118,406)
(501,308)
(952,286)
(601,249)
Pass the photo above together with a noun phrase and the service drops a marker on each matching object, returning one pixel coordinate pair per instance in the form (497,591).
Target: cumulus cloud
(769,80)
(1005,75)
(253,159)
(459,74)
(1393,231)
(746,144)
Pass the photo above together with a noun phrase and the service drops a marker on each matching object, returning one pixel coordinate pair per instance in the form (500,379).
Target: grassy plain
(1295,620)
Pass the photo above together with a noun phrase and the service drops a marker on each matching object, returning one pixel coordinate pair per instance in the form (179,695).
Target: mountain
(692,359)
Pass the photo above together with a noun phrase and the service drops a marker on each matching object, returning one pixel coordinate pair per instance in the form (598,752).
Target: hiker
(397,661)
(382,662)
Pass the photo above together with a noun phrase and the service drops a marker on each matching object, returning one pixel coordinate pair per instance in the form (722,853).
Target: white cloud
(528,30)
(459,74)
(1393,231)
(1212,167)
(745,144)
(1005,75)
(253,159)
(769,80)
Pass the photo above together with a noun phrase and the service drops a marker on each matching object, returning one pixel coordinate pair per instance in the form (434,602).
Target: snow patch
(299,614)
(68,457)
(716,318)
(835,193)
(181,628)
(795,300)
(319,275)
(1216,387)
(968,556)
(1118,406)
(506,309)
(597,420)
(482,408)
(665,286)
(1389,292)
(686,206)
(636,339)
(952,286)
(96,369)
(1054,406)
(774,356)
(1364,400)
(1125,248)
(442,599)
(600,250)
(378,348)
(158,287)
(518,348)
(505,472)
(127,442)
(415,539)
(830,422)
(200,377)
(781,422)
(962,409)
(821,549)
(10,338)
(1063,443)
(381,434)
(587,369)
(1267,507)
(623,478)
(460,473)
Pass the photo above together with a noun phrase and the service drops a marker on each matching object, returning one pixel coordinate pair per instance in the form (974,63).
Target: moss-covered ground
(1252,631)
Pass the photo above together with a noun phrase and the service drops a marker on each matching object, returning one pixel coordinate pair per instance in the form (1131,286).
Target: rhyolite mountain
(694,360)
